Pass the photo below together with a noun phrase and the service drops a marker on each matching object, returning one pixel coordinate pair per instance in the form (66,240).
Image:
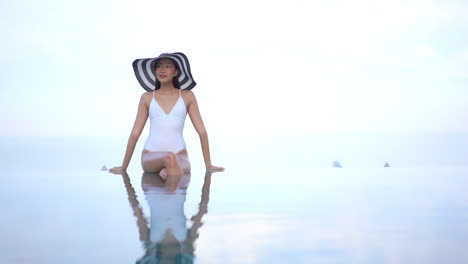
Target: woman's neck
(166,89)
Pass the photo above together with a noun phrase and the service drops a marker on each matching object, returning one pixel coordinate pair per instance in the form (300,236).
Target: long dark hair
(175,80)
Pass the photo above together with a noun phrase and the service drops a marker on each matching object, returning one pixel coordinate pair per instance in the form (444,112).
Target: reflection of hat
(179,259)
(144,71)
(155,255)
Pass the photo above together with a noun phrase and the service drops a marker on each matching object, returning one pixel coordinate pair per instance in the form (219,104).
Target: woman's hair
(175,80)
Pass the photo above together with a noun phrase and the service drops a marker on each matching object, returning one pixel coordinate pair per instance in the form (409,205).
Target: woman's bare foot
(163,173)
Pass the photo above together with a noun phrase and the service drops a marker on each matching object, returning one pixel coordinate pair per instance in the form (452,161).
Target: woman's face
(165,70)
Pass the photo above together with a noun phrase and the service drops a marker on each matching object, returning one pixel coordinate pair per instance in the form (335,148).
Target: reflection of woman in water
(167,239)
(168,81)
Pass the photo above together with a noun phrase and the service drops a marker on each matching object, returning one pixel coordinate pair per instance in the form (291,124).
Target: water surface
(268,206)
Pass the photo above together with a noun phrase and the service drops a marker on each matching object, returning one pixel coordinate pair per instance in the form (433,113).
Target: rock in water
(337,164)
(104,168)
(386,165)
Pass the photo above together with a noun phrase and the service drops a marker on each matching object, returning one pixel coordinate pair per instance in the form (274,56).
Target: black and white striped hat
(144,71)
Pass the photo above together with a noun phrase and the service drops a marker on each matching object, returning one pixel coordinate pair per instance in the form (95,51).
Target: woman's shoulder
(146,97)
(187,94)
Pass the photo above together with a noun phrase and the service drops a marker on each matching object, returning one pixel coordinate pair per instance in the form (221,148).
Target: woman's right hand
(117,170)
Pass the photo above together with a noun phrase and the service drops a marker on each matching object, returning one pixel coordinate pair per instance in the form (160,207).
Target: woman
(168,80)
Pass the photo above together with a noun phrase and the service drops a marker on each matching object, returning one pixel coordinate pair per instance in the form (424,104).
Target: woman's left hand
(214,168)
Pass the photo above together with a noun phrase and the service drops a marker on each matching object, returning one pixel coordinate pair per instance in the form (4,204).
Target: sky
(260,66)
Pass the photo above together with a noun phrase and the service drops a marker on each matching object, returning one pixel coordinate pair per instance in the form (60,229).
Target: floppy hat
(144,71)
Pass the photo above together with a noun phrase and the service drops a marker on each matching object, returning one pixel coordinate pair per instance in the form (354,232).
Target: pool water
(59,207)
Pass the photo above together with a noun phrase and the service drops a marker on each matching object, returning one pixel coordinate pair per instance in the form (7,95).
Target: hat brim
(144,71)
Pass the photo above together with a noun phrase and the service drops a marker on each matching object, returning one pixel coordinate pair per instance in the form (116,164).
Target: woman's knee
(170,160)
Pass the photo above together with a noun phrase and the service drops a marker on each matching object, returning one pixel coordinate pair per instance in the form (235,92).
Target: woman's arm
(192,232)
(142,223)
(197,122)
(140,121)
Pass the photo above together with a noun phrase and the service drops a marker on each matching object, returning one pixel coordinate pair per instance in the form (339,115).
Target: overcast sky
(261,66)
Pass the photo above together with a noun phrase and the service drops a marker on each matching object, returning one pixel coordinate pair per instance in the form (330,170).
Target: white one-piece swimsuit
(166,130)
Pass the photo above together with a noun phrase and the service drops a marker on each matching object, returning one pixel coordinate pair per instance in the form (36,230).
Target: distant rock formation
(104,168)
(386,165)
(337,164)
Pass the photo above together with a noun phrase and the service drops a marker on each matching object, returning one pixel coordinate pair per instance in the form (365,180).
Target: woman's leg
(169,165)
(157,160)
(184,163)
